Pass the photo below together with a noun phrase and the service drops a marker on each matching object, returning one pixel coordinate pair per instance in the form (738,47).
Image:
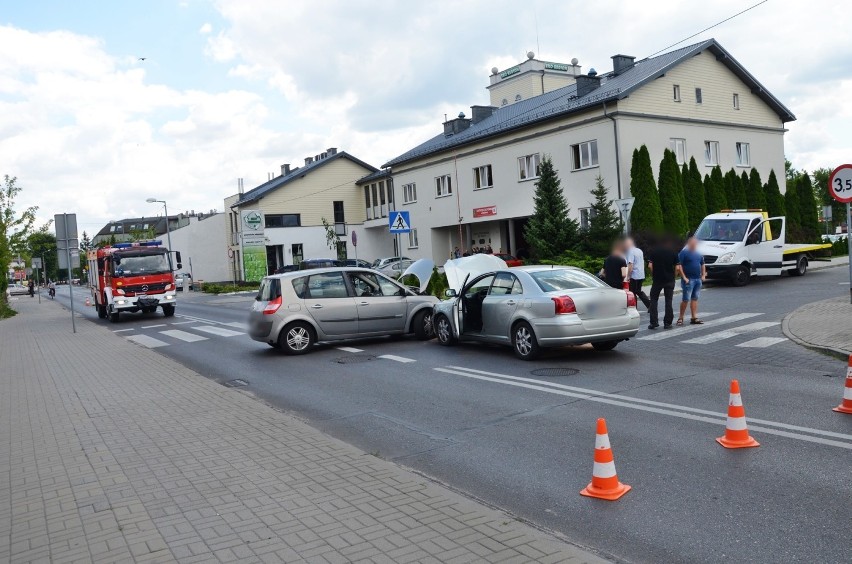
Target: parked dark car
(311,264)
(286,268)
(358,263)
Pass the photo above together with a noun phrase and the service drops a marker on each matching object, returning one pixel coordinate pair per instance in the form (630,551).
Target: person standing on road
(615,267)
(636,271)
(693,272)
(663,262)
(31,287)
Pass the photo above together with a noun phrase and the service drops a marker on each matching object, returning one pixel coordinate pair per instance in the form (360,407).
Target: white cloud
(205,29)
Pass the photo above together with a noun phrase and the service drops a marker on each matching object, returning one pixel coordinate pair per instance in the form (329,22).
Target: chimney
(331,151)
(479,113)
(308,160)
(239,185)
(621,63)
(587,83)
(453,126)
(285,169)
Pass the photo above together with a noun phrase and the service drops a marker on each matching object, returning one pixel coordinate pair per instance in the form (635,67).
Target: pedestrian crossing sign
(399,222)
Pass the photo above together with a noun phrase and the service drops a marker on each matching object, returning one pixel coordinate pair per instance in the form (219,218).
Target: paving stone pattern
(110,452)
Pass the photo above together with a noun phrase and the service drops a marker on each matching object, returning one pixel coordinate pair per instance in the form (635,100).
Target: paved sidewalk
(825,325)
(111,452)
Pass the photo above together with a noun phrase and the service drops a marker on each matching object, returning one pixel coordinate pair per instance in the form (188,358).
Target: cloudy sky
(235,88)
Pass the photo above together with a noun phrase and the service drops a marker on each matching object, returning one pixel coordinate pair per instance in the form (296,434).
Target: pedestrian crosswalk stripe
(147,341)
(643,327)
(396,358)
(762,342)
(679,331)
(350,349)
(183,335)
(221,331)
(733,332)
(237,324)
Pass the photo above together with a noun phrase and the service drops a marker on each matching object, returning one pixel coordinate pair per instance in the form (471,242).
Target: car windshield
(141,263)
(564,279)
(728,230)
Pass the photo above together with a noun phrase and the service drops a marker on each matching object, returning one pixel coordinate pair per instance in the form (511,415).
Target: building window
(678,147)
(298,253)
(482,177)
(409,193)
(698,99)
(412,239)
(517,97)
(529,166)
(384,210)
(282,220)
(736,101)
(743,154)
(676,92)
(389,188)
(367,202)
(443,186)
(711,153)
(342,253)
(339,218)
(585,155)
(586,215)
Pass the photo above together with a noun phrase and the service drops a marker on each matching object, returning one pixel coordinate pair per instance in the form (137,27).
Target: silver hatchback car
(532,307)
(295,310)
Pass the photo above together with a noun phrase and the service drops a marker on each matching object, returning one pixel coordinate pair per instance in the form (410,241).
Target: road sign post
(66,239)
(840,188)
(37,265)
(625,205)
(399,222)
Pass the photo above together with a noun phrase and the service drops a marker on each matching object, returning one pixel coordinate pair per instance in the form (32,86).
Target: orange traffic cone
(604,484)
(88,302)
(736,432)
(846,405)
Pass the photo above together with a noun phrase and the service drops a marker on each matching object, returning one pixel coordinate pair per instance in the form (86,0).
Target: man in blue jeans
(692,273)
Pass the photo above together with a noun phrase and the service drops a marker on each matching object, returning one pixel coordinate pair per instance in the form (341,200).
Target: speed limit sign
(840,184)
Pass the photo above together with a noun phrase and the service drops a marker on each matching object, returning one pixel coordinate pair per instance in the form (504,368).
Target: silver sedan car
(532,307)
(295,310)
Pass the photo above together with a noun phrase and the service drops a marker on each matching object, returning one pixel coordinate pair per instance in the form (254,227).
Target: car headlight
(727,257)
(120,302)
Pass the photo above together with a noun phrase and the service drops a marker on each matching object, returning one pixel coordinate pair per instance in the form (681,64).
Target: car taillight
(272,306)
(631,299)
(564,304)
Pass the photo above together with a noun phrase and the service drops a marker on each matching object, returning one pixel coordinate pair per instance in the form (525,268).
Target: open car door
(458,310)
(765,244)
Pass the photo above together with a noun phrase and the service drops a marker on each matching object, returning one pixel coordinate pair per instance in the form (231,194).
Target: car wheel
(297,338)
(742,276)
(444,330)
(102,312)
(113,315)
(422,325)
(524,342)
(801,267)
(604,345)
(168,310)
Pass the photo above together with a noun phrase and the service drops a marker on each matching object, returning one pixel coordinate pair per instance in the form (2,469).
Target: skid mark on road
(770,427)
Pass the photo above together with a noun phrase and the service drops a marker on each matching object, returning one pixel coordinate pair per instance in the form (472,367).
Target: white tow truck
(739,244)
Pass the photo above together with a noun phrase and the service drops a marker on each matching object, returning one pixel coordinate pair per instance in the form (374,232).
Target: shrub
(572,258)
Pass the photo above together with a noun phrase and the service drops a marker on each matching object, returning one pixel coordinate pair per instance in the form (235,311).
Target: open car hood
(422,270)
(459,269)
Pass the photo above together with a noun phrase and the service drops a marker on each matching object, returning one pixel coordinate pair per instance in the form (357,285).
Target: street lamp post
(166,209)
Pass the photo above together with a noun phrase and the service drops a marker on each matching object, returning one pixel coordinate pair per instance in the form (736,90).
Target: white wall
(372,243)
(204,242)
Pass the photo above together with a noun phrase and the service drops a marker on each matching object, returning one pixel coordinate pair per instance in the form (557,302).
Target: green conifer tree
(604,222)
(646,215)
(696,199)
(774,199)
(791,207)
(550,231)
(754,193)
(808,212)
(674,216)
(735,191)
(717,198)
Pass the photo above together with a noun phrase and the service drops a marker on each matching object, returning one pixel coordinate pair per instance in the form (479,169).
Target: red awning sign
(485,211)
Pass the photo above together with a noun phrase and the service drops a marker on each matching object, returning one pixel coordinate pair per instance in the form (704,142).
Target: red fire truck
(131,277)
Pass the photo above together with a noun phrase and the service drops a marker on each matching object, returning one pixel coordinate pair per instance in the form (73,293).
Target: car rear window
(564,279)
(270,288)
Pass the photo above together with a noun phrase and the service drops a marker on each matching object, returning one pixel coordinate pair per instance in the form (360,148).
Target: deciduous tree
(14,230)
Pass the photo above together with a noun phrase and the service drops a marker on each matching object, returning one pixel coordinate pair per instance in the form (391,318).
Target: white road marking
(147,341)
(221,331)
(651,406)
(122,330)
(396,358)
(679,331)
(153,326)
(183,322)
(762,342)
(643,327)
(183,335)
(350,349)
(733,332)
(237,324)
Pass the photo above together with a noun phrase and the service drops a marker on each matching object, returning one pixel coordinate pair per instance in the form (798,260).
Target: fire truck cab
(132,277)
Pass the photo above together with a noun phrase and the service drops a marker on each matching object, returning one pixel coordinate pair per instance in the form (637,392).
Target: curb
(785,328)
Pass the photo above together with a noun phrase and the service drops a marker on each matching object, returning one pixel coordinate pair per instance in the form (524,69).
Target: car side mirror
(179,266)
(177,257)
(450,293)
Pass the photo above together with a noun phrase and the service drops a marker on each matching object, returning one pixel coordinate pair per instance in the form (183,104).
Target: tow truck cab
(739,244)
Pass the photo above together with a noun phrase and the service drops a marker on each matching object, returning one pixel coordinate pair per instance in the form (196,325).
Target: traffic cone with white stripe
(604,484)
(88,302)
(846,405)
(736,432)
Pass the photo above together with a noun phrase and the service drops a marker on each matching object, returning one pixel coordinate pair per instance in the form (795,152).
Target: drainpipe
(617,153)
(542,82)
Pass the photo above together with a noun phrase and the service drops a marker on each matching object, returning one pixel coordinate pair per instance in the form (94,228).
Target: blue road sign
(399,222)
